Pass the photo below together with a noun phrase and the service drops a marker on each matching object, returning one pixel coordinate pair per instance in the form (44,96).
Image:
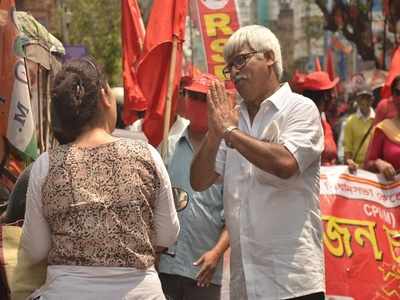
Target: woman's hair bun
(75,95)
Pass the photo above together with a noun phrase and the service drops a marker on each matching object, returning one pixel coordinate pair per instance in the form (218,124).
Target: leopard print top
(99,205)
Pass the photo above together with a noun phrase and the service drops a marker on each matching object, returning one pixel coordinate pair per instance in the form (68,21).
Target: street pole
(64,22)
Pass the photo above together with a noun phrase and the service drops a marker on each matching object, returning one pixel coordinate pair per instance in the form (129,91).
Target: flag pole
(168,102)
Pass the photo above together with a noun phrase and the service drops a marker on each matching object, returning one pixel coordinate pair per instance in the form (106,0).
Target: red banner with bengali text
(218,20)
(361,219)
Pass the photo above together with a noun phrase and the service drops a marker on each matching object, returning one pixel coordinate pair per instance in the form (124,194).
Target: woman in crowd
(383,154)
(98,208)
(320,89)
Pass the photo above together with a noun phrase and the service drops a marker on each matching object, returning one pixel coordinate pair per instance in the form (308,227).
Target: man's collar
(278,97)
(185,135)
(362,117)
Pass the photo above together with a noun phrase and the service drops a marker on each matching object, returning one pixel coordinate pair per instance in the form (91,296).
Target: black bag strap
(362,142)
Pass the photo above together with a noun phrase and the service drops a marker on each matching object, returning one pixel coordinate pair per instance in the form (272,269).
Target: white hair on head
(257,38)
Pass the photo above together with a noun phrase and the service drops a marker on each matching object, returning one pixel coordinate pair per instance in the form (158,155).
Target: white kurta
(86,283)
(274,224)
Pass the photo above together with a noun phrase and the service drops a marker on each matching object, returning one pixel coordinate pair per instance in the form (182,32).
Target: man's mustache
(239,77)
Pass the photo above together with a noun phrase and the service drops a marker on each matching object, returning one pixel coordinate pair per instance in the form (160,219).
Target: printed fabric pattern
(99,205)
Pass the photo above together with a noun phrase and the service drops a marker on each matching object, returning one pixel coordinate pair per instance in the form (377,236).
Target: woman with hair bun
(98,207)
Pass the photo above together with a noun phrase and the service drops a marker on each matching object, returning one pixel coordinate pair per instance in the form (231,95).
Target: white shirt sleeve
(221,158)
(165,217)
(303,135)
(35,239)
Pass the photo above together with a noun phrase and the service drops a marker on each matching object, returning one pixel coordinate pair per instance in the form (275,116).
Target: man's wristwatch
(227,132)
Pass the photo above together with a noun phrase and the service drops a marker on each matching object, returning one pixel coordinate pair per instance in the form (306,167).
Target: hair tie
(80,90)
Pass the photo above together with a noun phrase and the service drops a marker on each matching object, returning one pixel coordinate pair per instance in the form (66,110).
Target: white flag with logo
(21,127)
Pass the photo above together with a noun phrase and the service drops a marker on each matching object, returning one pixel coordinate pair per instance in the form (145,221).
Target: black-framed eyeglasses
(239,62)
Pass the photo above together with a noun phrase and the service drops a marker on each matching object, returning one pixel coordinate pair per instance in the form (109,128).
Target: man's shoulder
(300,104)
(352,118)
(386,100)
(294,98)
(383,103)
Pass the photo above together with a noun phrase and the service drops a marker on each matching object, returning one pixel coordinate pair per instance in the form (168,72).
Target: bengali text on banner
(361,218)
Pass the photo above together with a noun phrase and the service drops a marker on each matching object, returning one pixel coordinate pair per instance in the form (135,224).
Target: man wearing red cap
(267,152)
(318,87)
(193,268)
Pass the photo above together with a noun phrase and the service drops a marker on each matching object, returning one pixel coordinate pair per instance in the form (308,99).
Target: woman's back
(97,214)
(98,203)
(97,208)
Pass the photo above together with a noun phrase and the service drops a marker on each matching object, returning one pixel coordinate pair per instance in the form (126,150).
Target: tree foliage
(96,25)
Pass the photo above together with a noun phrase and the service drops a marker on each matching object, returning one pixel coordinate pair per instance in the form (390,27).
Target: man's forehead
(244,48)
(365,98)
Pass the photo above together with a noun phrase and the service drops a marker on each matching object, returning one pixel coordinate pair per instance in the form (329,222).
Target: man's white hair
(257,38)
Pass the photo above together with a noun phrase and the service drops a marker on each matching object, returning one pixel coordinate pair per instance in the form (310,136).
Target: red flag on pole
(133,32)
(394,71)
(330,66)
(166,22)
(317,64)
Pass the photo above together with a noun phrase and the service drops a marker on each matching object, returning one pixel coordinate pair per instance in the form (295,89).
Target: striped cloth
(18,275)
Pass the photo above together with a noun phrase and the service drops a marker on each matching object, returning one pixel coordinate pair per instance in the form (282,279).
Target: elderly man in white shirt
(267,151)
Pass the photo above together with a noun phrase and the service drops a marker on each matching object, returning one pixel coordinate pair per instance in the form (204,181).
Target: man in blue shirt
(192,269)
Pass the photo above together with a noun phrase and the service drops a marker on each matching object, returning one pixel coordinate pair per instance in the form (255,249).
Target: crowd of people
(102,210)
(366,137)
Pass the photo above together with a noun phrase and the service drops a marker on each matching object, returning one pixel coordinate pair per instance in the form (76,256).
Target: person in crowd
(17,199)
(98,207)
(194,271)
(318,87)
(119,97)
(386,108)
(267,152)
(357,130)
(121,130)
(383,154)
(350,108)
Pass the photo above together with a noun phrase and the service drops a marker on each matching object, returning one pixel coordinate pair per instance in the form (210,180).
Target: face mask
(196,112)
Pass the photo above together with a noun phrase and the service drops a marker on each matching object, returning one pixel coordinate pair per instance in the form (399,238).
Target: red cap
(297,81)
(318,81)
(201,83)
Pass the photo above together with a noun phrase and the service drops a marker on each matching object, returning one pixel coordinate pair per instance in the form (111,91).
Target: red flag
(317,64)
(386,8)
(393,72)
(167,19)
(330,66)
(132,44)
(7,60)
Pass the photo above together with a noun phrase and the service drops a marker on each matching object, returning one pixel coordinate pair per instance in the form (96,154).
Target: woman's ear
(106,98)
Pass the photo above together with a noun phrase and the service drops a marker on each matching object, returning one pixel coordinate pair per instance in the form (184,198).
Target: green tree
(96,25)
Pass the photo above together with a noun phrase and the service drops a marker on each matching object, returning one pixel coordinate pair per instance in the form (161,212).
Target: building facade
(44,11)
